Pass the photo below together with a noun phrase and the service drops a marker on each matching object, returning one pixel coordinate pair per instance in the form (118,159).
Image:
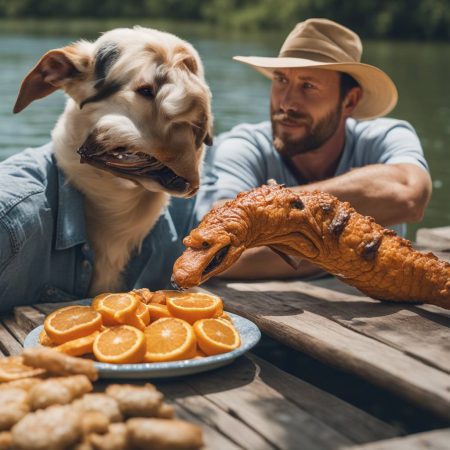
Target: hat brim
(379,94)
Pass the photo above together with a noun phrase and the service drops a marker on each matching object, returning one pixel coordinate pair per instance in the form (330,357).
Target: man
(324,135)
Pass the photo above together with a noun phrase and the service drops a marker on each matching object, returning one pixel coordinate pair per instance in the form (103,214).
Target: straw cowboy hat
(324,44)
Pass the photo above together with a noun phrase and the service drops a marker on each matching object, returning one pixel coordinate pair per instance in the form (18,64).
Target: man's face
(306,109)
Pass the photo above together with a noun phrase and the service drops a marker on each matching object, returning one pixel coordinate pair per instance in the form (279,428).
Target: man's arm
(391,193)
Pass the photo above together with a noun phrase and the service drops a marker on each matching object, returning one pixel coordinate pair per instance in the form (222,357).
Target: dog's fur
(136,89)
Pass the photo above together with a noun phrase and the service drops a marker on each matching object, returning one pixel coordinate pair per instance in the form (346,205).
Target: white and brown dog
(137,117)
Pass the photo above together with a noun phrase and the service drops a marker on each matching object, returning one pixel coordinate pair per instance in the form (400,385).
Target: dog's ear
(52,72)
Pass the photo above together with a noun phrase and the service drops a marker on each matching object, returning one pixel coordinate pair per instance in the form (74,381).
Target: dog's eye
(146,91)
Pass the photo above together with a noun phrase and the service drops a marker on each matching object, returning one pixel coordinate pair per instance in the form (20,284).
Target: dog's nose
(178,184)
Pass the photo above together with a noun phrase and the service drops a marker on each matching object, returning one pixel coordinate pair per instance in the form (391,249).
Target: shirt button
(85,247)
(86,265)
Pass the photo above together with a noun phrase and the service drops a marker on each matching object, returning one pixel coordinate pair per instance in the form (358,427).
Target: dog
(137,117)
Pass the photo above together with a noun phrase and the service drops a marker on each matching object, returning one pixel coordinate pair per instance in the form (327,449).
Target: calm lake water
(420,70)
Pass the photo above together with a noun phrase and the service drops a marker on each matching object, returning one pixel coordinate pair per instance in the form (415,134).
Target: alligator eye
(146,91)
(205,244)
(297,204)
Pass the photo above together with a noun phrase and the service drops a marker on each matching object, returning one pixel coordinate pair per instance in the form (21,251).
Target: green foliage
(412,19)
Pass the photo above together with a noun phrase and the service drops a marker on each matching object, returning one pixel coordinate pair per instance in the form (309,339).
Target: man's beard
(316,135)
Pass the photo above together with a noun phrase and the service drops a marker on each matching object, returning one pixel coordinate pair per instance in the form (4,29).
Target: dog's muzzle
(123,162)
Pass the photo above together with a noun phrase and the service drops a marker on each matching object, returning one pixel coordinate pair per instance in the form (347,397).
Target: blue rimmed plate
(248,332)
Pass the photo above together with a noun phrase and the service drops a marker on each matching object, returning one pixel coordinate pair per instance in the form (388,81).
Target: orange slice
(120,345)
(44,339)
(78,347)
(193,306)
(142,312)
(225,316)
(169,339)
(72,322)
(157,311)
(216,336)
(118,309)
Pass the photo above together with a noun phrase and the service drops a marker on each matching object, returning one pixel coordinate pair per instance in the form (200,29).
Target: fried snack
(54,428)
(317,227)
(58,391)
(6,440)
(116,438)
(14,404)
(94,422)
(166,411)
(102,403)
(136,401)
(44,339)
(14,368)
(58,363)
(23,383)
(147,296)
(163,434)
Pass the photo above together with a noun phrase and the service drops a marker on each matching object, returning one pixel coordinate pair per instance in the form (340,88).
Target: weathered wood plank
(28,317)
(183,394)
(354,423)
(400,326)
(240,391)
(8,344)
(431,440)
(434,238)
(285,315)
(14,328)
(213,439)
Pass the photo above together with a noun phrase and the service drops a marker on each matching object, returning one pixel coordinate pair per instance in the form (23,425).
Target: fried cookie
(163,434)
(98,402)
(136,401)
(60,390)
(55,428)
(58,363)
(115,439)
(14,404)
(14,368)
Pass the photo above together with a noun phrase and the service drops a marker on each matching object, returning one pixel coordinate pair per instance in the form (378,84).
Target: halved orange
(78,347)
(142,312)
(157,311)
(44,339)
(118,309)
(120,345)
(193,306)
(72,322)
(216,336)
(169,339)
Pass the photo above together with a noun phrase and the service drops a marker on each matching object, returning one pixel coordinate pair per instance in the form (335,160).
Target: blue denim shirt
(44,252)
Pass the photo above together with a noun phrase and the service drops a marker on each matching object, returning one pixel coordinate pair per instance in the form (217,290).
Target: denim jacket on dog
(44,252)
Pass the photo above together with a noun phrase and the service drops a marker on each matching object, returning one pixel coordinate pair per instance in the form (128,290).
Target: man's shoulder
(24,175)
(375,128)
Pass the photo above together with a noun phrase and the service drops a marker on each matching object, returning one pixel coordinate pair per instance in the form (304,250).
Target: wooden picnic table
(252,404)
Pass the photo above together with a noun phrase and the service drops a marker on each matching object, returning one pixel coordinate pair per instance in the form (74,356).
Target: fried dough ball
(6,440)
(136,401)
(58,363)
(166,411)
(115,439)
(14,404)
(24,383)
(94,422)
(163,434)
(58,391)
(55,428)
(103,403)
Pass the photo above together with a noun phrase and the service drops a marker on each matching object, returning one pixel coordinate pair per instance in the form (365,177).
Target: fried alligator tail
(315,226)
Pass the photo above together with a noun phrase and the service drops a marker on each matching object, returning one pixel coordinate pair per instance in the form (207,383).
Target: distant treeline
(394,19)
